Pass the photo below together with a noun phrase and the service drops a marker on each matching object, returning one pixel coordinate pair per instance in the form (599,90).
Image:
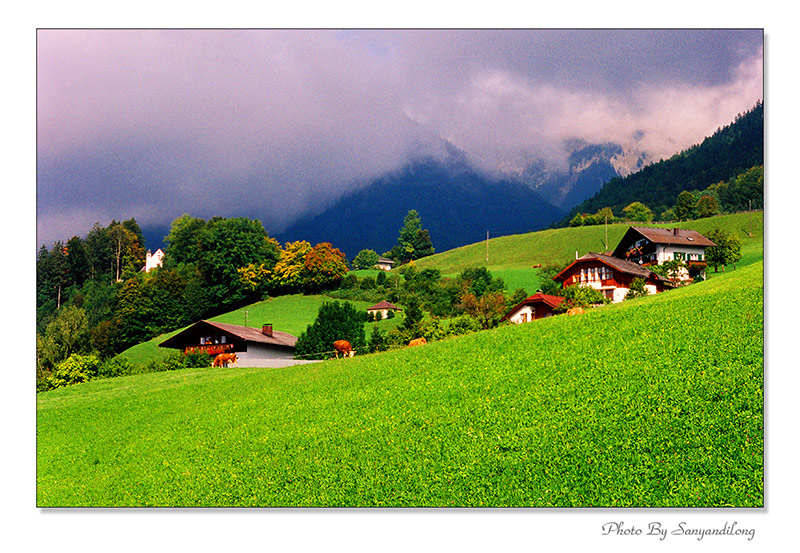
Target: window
(523,318)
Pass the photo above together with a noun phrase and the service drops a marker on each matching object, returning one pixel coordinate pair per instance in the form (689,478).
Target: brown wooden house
(610,275)
(254,347)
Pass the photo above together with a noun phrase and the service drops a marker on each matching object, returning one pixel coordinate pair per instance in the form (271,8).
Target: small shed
(383,308)
(254,347)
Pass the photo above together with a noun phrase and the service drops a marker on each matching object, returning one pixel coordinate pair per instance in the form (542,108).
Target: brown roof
(621,265)
(245,333)
(670,236)
(382,305)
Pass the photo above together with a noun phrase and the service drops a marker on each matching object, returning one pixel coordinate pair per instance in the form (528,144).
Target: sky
(277,124)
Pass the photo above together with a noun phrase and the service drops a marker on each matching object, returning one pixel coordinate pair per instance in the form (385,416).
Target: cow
(575,311)
(225,360)
(418,342)
(343,347)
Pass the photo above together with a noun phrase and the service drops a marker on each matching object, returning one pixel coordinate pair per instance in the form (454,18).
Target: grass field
(290,314)
(653,402)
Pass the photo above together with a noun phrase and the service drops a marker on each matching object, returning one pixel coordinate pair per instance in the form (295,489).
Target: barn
(254,347)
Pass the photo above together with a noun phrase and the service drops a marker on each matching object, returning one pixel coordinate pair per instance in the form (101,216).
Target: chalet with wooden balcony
(537,306)
(654,246)
(254,347)
(610,275)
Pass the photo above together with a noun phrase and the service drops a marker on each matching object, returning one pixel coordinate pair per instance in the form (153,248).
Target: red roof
(552,301)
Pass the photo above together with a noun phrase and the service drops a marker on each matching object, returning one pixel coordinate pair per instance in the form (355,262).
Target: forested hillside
(727,153)
(457,203)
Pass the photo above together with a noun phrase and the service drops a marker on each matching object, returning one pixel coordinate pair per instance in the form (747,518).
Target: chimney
(266,330)
(675,231)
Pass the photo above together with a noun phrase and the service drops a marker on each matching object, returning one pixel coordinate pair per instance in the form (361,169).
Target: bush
(116,366)
(580,296)
(74,370)
(196,360)
(463,324)
(378,341)
(173,362)
(637,289)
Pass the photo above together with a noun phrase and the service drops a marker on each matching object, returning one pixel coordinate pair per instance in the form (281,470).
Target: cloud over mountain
(272,124)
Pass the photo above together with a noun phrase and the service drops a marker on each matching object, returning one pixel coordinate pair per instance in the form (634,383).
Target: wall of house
(531,312)
(517,317)
(264,355)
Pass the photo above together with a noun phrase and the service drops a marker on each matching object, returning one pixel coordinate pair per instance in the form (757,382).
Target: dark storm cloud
(273,124)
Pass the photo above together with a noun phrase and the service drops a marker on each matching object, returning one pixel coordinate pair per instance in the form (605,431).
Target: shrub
(378,341)
(173,362)
(74,370)
(196,360)
(463,324)
(637,289)
(116,366)
(580,296)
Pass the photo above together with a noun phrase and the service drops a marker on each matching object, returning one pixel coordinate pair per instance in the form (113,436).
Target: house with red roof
(537,306)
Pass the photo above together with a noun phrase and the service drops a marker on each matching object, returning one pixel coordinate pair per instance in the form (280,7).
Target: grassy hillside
(290,314)
(652,402)
(512,257)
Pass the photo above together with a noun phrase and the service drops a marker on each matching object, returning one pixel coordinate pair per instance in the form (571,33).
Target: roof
(384,260)
(244,333)
(552,301)
(382,305)
(669,236)
(622,265)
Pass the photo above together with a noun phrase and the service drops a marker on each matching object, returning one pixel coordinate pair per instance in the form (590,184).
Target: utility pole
(245,318)
(750,217)
(487,245)
(606,232)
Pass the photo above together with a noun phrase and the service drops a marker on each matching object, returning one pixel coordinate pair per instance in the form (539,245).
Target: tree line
(742,192)
(729,152)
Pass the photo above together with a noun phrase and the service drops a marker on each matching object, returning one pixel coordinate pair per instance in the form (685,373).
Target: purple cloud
(274,124)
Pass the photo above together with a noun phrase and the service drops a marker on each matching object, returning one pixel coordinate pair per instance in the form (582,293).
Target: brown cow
(575,311)
(343,347)
(225,360)
(418,342)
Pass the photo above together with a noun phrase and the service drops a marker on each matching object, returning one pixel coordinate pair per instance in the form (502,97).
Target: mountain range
(457,202)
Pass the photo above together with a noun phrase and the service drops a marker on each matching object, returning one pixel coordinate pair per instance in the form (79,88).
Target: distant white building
(153,260)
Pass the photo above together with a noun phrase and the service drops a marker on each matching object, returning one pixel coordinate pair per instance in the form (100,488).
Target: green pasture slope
(292,314)
(512,257)
(652,402)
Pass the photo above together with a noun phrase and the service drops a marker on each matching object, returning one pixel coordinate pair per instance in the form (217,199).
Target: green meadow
(654,402)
